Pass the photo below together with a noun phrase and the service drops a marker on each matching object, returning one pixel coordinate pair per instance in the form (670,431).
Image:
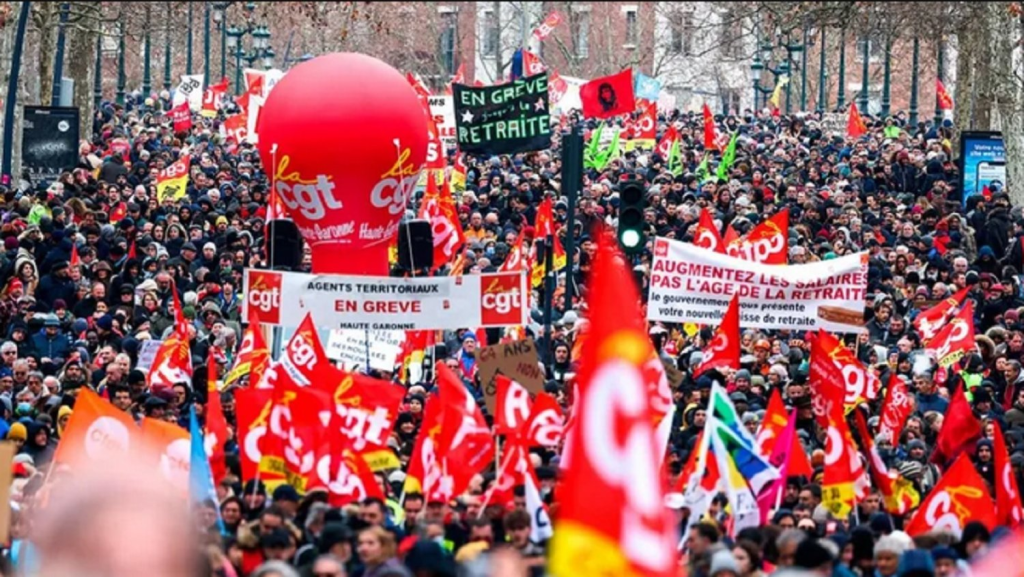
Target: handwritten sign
(516,360)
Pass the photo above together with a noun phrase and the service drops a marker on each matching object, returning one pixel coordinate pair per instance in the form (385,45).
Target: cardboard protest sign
(7,450)
(516,360)
(833,123)
(349,347)
(147,352)
(503,119)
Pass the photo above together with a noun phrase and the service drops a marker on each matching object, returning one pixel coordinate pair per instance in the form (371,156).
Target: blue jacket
(932,402)
(55,348)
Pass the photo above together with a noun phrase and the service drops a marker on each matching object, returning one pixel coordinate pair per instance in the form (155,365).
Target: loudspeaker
(415,245)
(285,248)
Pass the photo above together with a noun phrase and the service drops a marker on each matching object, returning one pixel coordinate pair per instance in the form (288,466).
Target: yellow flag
(777,93)
(172,181)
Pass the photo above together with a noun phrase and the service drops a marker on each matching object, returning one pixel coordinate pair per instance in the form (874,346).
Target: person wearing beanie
(916,563)
(944,561)
(18,434)
(723,564)
(888,550)
(814,556)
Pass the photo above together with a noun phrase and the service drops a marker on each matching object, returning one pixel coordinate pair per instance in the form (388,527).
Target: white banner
(350,348)
(690,284)
(387,303)
(442,109)
(191,89)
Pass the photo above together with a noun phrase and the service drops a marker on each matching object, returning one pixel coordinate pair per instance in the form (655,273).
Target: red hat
(15,284)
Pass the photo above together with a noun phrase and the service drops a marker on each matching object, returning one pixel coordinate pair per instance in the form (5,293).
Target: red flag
(216,424)
(180,323)
(213,98)
(855,126)
(945,100)
(546,424)
(236,128)
(664,147)
(512,406)
(858,383)
(518,258)
(252,358)
(548,25)
(303,360)
(928,322)
(181,116)
(448,235)
(825,378)
(844,480)
(365,409)
(460,76)
(511,473)
(344,473)
(710,137)
(611,457)
(75,259)
(296,432)
(608,96)
(895,410)
(960,431)
(465,438)
(532,64)
(252,409)
(724,348)
(557,87)
(959,497)
(899,494)
(131,251)
(775,420)
(706,235)
(766,243)
(1008,506)
(428,472)
(645,129)
(955,339)
(172,364)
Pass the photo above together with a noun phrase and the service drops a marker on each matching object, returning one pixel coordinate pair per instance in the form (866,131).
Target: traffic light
(631,215)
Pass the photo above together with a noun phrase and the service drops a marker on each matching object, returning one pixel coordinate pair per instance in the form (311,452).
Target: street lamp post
(147,84)
(188,52)
(755,74)
(940,74)
(864,75)
(913,82)
(803,73)
(219,9)
(12,94)
(167,49)
(97,81)
(206,43)
(260,46)
(58,68)
(121,78)
(822,92)
(841,89)
(886,78)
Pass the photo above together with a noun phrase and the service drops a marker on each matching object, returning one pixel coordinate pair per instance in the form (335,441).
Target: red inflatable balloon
(344,137)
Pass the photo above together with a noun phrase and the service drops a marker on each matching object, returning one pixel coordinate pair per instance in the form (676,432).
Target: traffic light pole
(572,182)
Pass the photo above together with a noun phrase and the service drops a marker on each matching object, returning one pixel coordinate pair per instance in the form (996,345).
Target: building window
(449,41)
(682,33)
(632,33)
(492,34)
(581,34)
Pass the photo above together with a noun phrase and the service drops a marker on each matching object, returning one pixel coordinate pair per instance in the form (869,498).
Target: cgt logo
(264,297)
(501,302)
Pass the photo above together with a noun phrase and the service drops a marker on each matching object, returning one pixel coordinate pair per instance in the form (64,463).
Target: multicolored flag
(201,487)
(172,182)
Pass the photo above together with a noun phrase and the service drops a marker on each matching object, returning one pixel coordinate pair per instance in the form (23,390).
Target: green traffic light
(630,238)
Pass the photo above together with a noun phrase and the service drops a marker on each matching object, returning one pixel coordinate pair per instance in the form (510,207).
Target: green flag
(594,147)
(594,156)
(702,170)
(675,161)
(727,159)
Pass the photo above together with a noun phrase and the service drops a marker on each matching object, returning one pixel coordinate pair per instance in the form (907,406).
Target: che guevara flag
(608,96)
(172,181)
(610,455)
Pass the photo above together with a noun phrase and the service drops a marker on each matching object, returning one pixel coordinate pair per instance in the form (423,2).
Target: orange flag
(170,450)
(959,497)
(216,424)
(724,348)
(1008,505)
(75,259)
(96,429)
(611,456)
(855,126)
(960,431)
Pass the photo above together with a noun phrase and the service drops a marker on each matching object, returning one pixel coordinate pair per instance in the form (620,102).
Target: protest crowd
(915,473)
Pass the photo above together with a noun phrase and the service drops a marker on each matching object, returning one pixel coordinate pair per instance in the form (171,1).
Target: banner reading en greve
(503,119)
(690,284)
(386,303)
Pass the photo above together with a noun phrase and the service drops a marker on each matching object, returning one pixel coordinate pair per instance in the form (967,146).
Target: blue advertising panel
(982,162)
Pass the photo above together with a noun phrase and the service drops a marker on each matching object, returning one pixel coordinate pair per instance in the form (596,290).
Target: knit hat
(916,563)
(890,544)
(723,561)
(810,554)
(18,432)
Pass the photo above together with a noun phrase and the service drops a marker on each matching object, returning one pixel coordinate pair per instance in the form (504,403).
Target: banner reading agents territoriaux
(693,284)
(386,303)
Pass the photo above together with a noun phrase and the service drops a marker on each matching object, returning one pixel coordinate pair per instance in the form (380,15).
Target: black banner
(49,142)
(503,119)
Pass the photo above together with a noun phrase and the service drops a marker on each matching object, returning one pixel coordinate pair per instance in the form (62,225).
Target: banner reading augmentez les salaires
(503,119)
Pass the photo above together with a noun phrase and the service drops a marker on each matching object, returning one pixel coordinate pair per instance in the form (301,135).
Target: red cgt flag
(216,425)
(252,410)
(465,438)
(724,348)
(934,318)
(181,116)
(706,234)
(775,419)
(857,382)
(669,138)
(896,409)
(825,379)
(548,25)
(855,126)
(960,430)
(959,497)
(546,424)
(766,243)
(710,137)
(611,455)
(955,339)
(608,96)
(1008,505)
(512,406)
